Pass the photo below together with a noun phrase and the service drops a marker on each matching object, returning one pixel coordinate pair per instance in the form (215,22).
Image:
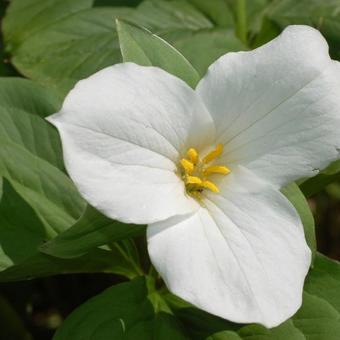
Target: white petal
(277,108)
(122,131)
(243,257)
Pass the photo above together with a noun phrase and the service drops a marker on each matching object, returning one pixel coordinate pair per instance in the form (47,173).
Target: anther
(187,166)
(213,154)
(193,180)
(193,155)
(210,185)
(216,169)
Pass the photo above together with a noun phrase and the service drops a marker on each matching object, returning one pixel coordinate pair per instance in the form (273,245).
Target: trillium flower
(203,168)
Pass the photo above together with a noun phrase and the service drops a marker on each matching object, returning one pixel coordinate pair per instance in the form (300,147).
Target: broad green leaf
(25,18)
(204,47)
(93,229)
(23,105)
(162,327)
(317,319)
(323,15)
(225,335)
(31,156)
(48,190)
(61,51)
(296,197)
(175,16)
(285,331)
(140,46)
(41,265)
(21,233)
(217,11)
(116,2)
(120,312)
(188,30)
(324,281)
(70,41)
(199,324)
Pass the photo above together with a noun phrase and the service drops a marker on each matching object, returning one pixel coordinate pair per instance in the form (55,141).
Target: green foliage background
(46,228)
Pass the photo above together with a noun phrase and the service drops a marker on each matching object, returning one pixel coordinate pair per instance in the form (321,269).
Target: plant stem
(129,259)
(241,18)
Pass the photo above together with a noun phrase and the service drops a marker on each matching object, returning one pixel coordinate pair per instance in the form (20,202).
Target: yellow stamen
(195,171)
(187,166)
(216,169)
(213,154)
(210,185)
(193,155)
(193,180)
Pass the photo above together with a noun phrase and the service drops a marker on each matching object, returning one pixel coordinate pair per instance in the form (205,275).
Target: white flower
(203,168)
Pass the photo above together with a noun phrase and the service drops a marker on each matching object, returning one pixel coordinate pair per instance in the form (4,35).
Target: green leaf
(283,332)
(225,335)
(23,105)
(93,229)
(217,11)
(296,197)
(120,312)
(22,233)
(41,265)
(25,18)
(131,3)
(31,156)
(109,314)
(162,327)
(204,47)
(317,319)
(67,42)
(198,323)
(324,280)
(175,17)
(140,46)
(188,30)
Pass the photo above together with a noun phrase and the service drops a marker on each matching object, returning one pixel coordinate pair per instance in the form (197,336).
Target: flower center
(196,171)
